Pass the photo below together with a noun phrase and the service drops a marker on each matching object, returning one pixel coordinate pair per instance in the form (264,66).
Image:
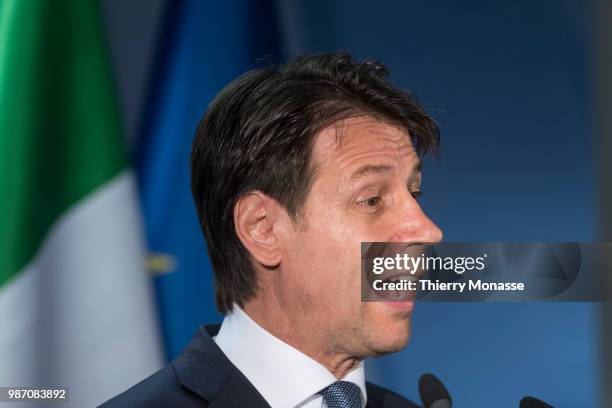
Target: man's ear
(255,214)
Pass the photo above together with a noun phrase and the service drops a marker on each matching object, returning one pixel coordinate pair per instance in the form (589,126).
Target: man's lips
(377,285)
(408,275)
(405,306)
(397,275)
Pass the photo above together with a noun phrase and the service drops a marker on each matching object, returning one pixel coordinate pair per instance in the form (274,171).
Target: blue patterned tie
(341,394)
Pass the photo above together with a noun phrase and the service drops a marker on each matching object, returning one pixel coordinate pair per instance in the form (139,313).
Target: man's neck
(274,321)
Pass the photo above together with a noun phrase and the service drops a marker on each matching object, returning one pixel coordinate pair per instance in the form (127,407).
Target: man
(292,168)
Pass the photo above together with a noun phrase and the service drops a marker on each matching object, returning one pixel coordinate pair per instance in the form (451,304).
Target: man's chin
(398,341)
(390,339)
(388,328)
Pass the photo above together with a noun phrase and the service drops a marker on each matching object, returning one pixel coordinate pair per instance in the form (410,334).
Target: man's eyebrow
(379,169)
(416,172)
(418,166)
(370,169)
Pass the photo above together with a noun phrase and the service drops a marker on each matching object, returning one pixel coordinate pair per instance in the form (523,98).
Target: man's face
(367,178)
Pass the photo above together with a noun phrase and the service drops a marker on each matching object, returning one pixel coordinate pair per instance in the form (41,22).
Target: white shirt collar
(283,375)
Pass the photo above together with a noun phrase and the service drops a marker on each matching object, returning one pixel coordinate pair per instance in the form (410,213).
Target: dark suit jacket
(202,376)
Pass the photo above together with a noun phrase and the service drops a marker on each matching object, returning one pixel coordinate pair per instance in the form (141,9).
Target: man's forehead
(359,138)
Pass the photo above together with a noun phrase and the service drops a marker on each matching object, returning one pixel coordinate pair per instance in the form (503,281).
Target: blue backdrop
(203,46)
(507,81)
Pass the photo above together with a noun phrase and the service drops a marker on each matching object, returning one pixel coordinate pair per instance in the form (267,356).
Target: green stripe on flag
(59,127)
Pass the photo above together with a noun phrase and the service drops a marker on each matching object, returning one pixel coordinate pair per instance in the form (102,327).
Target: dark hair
(258,135)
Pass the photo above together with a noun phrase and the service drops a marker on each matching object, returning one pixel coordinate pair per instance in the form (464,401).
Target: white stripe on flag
(82,314)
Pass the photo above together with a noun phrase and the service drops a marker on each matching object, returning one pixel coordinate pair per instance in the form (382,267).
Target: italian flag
(76,304)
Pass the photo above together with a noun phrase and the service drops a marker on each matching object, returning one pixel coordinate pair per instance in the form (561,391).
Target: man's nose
(415,226)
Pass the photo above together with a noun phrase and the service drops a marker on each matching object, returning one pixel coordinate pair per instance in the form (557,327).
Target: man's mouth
(397,282)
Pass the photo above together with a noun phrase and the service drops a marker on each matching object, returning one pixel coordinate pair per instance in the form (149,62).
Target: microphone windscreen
(531,402)
(431,390)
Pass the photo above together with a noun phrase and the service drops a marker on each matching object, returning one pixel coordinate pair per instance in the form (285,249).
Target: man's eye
(416,194)
(371,202)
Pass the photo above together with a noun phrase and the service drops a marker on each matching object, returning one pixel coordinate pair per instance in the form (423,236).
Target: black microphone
(531,402)
(433,393)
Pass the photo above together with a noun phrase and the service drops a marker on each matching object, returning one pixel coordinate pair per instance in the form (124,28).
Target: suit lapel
(206,371)
(373,400)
